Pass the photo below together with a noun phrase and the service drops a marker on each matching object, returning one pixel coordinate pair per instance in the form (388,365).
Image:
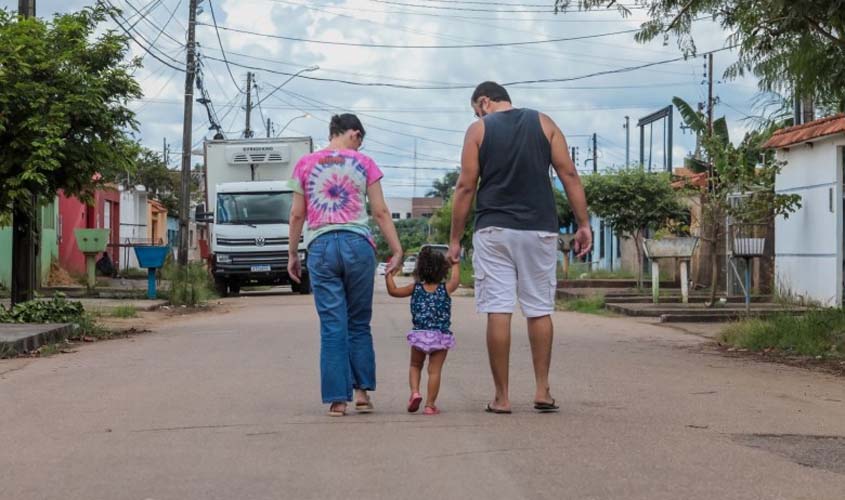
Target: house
(413,208)
(809,255)
(157,222)
(48,246)
(193,237)
(74,214)
(400,208)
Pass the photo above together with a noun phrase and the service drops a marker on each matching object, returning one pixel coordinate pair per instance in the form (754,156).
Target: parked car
(410,265)
(382,268)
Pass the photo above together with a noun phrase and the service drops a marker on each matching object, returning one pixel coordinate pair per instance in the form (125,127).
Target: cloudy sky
(368,42)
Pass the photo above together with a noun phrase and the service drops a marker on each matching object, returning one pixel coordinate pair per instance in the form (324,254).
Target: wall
(48,249)
(74,214)
(808,245)
(133,223)
(400,208)
(156,222)
(425,207)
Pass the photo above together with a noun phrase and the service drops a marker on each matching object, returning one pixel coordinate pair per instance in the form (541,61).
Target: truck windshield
(253,208)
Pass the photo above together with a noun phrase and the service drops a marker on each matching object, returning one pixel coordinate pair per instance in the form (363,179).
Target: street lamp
(304,70)
(306,115)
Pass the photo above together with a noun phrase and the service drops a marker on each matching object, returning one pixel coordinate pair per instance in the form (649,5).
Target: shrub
(190,285)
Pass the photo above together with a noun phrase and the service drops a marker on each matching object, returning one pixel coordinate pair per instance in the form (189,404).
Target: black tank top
(515,191)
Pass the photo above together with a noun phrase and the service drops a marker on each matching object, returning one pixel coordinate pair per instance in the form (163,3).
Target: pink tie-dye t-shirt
(334,184)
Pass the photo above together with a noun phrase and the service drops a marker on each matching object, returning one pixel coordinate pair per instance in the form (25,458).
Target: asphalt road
(225,405)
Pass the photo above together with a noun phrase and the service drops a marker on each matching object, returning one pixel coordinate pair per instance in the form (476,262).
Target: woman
(331,191)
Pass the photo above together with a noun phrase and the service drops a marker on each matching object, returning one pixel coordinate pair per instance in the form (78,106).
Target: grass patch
(48,350)
(124,312)
(593,304)
(579,269)
(817,333)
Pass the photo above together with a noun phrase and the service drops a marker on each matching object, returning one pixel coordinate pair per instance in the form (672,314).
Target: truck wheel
(221,287)
(305,286)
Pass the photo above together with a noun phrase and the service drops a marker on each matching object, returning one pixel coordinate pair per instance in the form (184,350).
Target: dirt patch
(60,277)
(819,452)
(832,366)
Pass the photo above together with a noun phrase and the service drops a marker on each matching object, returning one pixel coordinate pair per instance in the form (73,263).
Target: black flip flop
(497,411)
(543,407)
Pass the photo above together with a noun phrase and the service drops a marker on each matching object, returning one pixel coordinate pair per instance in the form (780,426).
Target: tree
(795,46)
(413,233)
(441,225)
(64,92)
(444,187)
(631,201)
(565,216)
(744,170)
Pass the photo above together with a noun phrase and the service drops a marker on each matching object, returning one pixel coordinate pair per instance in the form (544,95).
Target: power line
(132,37)
(222,50)
(391,46)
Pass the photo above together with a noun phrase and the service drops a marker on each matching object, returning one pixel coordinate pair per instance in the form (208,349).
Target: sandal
(334,412)
(497,411)
(414,402)
(431,410)
(364,406)
(544,407)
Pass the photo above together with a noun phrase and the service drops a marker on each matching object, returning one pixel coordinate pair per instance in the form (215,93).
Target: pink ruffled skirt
(429,341)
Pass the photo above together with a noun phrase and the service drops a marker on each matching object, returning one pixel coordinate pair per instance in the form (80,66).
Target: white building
(133,223)
(400,208)
(809,254)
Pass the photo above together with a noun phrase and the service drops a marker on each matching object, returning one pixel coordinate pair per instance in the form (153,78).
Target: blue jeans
(342,268)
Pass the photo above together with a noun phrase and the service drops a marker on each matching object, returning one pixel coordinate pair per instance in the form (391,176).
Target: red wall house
(105,213)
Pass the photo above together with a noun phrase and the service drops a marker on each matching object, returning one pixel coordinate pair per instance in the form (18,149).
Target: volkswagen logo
(259,242)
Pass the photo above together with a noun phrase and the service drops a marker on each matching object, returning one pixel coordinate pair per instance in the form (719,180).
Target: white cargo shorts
(512,264)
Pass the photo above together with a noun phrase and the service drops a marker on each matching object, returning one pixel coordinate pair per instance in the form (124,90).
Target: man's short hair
(492,91)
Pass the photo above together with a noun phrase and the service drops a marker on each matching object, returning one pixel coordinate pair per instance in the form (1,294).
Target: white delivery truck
(248,201)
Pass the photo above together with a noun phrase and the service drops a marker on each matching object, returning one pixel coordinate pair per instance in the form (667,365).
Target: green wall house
(47,252)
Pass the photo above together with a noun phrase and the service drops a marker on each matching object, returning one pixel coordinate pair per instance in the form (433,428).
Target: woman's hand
(295,268)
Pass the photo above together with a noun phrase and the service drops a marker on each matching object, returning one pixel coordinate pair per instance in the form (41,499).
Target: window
(395,216)
(253,208)
(427,214)
(408,215)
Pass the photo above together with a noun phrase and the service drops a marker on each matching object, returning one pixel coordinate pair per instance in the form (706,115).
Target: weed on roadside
(593,304)
(190,285)
(818,333)
(124,312)
(467,274)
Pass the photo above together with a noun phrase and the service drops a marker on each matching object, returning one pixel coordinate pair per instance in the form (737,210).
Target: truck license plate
(263,268)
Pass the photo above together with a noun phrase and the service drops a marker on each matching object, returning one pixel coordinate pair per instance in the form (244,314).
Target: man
(506,157)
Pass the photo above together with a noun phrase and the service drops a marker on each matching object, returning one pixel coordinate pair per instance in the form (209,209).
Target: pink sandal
(414,402)
(431,410)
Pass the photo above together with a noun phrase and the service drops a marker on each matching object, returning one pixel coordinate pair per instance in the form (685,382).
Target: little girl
(431,313)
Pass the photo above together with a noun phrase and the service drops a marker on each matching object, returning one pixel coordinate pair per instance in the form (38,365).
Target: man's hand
(583,241)
(454,254)
(295,268)
(394,264)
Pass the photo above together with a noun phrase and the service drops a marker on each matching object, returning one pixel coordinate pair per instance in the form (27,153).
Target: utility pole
(627,141)
(574,154)
(415,169)
(595,153)
(24,225)
(710,93)
(187,124)
(26,8)
(269,126)
(165,152)
(247,131)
